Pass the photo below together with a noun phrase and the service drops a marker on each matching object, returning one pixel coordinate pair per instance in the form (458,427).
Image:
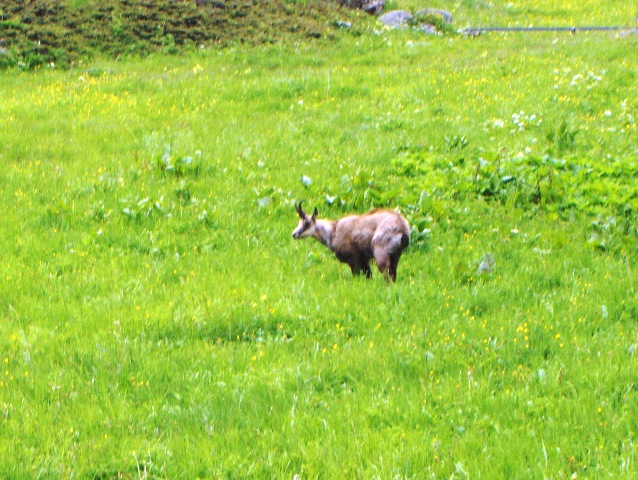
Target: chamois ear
(315,213)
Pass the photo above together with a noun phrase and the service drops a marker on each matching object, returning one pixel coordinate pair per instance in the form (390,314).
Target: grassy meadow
(158,320)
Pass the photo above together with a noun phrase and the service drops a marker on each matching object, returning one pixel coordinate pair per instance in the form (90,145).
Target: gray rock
(487,263)
(396,18)
(628,33)
(446,16)
(374,8)
(428,29)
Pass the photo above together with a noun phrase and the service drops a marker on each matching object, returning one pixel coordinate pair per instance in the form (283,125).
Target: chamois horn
(300,210)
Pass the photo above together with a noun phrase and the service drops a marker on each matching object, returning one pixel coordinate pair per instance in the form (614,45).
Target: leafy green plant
(554,185)
(562,139)
(143,208)
(179,166)
(456,143)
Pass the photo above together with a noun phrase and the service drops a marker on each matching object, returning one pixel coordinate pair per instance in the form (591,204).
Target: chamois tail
(405,240)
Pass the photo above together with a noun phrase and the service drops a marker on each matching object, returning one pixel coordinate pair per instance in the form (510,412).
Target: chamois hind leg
(395,255)
(394,263)
(383,263)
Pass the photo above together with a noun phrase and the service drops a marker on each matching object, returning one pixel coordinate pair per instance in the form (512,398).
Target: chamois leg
(395,255)
(358,266)
(383,263)
(394,263)
(366,270)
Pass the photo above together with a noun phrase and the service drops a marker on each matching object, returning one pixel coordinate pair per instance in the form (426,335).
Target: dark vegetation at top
(41,32)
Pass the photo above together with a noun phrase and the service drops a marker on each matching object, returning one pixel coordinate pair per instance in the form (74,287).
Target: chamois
(356,239)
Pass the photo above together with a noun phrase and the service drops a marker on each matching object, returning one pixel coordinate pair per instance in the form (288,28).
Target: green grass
(482,13)
(158,321)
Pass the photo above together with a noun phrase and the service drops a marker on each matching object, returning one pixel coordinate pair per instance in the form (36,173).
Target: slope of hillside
(47,31)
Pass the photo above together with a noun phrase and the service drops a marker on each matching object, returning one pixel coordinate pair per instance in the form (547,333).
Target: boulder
(396,18)
(428,29)
(446,16)
(342,24)
(374,8)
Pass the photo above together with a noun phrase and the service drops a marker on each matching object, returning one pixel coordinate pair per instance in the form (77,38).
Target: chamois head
(307,225)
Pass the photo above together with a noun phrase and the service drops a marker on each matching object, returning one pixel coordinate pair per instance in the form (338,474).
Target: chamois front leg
(366,270)
(357,265)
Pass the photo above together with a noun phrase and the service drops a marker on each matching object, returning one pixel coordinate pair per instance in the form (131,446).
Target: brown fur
(356,239)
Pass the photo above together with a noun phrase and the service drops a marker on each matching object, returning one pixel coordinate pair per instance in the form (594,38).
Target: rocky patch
(427,20)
